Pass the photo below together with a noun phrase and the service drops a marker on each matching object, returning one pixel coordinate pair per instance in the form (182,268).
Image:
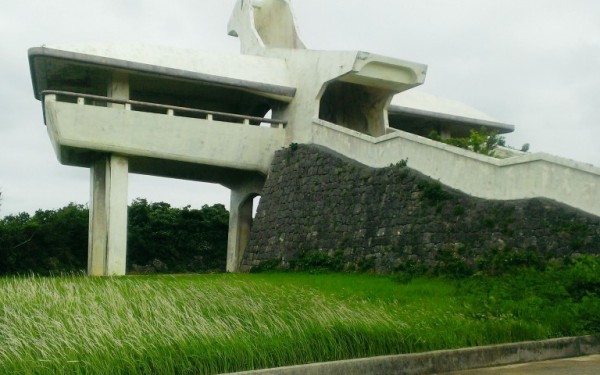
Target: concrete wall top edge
(526,158)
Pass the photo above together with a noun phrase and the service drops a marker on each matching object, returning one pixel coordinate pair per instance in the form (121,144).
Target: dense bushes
(568,293)
(167,239)
(48,241)
(161,239)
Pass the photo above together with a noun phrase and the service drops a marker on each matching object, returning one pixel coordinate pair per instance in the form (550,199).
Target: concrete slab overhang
(419,113)
(84,67)
(385,72)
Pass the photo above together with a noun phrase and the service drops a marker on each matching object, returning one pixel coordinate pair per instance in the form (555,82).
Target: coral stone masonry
(395,218)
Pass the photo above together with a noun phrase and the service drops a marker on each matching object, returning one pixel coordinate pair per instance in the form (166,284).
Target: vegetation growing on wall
(317,205)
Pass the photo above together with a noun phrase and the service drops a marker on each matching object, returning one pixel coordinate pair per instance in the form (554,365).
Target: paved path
(588,365)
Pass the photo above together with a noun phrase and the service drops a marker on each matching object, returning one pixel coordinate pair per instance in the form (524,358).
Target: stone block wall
(395,218)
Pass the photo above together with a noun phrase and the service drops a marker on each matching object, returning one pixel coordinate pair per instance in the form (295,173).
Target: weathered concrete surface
(107,246)
(240,220)
(586,365)
(445,361)
(159,136)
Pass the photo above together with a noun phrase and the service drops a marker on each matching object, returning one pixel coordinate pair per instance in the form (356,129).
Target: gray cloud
(532,63)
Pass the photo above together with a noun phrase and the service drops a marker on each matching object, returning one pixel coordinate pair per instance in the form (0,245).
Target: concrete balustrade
(526,176)
(169,110)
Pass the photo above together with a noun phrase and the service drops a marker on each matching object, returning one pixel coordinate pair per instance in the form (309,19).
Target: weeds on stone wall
(500,261)
(455,262)
(451,262)
(317,261)
(397,220)
(433,192)
(305,261)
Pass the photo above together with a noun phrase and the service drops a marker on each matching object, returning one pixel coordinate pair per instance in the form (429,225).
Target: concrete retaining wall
(390,219)
(448,360)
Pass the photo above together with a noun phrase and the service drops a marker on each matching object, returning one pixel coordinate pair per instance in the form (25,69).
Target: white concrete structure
(189,115)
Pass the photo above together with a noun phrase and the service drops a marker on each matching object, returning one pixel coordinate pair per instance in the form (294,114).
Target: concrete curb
(448,360)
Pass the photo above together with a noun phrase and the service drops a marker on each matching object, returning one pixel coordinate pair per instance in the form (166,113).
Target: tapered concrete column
(107,248)
(240,223)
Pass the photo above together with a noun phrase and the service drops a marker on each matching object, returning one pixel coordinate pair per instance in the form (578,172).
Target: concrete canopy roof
(456,116)
(267,77)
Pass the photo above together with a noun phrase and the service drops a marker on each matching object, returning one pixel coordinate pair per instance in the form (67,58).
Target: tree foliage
(176,240)
(48,241)
(481,142)
(161,239)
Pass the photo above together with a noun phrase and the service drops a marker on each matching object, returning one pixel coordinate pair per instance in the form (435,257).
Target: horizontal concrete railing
(167,109)
(528,176)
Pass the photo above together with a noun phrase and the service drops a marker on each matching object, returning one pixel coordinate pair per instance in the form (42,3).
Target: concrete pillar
(107,248)
(118,87)
(240,223)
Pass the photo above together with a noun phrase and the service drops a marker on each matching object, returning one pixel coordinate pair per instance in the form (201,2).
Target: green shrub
(583,277)
(481,141)
(433,192)
(499,261)
(268,265)
(317,261)
(450,262)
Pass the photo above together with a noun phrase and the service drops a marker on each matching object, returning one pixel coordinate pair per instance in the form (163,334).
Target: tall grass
(208,324)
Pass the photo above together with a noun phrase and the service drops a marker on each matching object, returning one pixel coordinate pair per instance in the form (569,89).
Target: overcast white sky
(531,63)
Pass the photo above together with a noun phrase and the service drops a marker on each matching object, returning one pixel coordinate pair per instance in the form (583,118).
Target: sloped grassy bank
(206,324)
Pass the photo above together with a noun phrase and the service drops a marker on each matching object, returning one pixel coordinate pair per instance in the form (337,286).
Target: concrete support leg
(107,247)
(240,223)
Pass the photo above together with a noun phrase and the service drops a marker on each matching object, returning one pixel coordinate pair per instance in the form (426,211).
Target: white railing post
(80,101)
(128,106)
(50,98)
(209,117)
(170,112)
(246,121)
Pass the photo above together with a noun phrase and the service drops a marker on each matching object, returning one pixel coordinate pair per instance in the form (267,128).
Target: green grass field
(207,324)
